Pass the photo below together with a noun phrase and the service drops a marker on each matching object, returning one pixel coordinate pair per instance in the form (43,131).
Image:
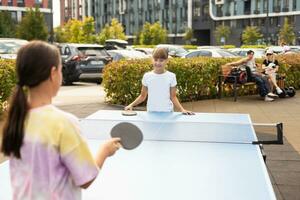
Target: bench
(225,71)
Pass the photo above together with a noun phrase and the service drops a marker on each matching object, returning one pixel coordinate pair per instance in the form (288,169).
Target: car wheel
(99,82)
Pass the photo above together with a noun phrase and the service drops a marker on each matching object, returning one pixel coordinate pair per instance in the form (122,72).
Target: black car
(83,62)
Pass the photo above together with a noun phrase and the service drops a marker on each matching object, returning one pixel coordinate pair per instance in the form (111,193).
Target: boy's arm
(239,62)
(176,102)
(141,98)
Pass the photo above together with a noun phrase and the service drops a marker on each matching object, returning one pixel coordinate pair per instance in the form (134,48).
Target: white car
(215,53)
(258,53)
(127,54)
(9,47)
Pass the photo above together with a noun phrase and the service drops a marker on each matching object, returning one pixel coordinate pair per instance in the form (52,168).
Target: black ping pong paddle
(131,136)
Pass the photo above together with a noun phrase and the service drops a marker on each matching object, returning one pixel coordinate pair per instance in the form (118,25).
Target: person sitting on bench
(254,75)
(270,65)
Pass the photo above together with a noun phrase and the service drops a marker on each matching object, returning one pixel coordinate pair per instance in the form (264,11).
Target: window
(20,3)
(247,7)
(192,54)
(205,53)
(235,8)
(14,16)
(294,5)
(197,9)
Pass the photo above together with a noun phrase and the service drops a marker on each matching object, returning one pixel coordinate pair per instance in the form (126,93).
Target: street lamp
(51,23)
(267,22)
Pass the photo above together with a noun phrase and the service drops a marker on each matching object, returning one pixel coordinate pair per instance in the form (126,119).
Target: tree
(33,26)
(153,34)
(251,35)
(113,31)
(88,30)
(60,35)
(7,25)
(76,31)
(286,33)
(189,34)
(222,32)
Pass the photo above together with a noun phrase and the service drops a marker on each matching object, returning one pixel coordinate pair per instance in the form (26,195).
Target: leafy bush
(196,77)
(228,46)
(254,46)
(7,81)
(188,47)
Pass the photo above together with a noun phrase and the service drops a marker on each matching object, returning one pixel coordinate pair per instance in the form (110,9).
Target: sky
(56,13)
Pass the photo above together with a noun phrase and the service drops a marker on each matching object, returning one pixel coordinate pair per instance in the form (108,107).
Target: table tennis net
(215,132)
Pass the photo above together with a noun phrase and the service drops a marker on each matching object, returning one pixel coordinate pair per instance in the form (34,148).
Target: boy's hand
(129,107)
(111,146)
(187,112)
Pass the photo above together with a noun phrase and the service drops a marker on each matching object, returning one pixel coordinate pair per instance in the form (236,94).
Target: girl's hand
(129,107)
(111,146)
(187,112)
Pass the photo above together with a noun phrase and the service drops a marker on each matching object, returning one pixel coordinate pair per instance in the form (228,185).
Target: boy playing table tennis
(160,87)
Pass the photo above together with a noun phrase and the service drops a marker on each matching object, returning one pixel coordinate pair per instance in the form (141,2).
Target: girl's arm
(141,98)
(176,102)
(106,150)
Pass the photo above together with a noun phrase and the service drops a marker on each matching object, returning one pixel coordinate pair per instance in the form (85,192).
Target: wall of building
(237,14)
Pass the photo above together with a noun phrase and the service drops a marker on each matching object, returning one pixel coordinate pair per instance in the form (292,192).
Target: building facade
(203,16)
(71,9)
(268,15)
(133,14)
(17,8)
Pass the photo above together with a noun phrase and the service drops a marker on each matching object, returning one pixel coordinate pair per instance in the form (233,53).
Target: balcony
(256,12)
(247,12)
(285,9)
(227,14)
(276,8)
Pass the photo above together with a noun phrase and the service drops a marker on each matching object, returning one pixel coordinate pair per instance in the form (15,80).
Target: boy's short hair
(250,52)
(160,53)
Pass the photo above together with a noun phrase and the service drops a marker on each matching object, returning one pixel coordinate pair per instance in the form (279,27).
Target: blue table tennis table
(209,156)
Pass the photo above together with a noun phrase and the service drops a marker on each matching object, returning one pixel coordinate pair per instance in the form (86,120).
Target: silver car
(9,47)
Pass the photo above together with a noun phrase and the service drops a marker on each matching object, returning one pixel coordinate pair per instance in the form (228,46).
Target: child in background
(160,87)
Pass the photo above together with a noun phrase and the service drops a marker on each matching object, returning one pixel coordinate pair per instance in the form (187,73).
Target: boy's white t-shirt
(159,87)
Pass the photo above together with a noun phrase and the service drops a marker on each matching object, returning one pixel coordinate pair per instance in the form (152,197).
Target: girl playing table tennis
(48,157)
(160,87)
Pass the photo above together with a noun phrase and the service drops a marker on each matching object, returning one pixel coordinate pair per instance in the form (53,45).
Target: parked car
(216,53)
(174,50)
(127,54)
(147,51)
(280,49)
(258,53)
(9,47)
(113,44)
(83,62)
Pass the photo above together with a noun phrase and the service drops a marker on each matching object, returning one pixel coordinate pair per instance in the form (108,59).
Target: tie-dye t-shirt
(55,159)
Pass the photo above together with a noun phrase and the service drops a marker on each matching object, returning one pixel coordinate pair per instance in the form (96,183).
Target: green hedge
(7,81)
(254,46)
(196,77)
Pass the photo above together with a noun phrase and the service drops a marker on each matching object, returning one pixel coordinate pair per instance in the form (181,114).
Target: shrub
(196,77)
(188,47)
(7,81)
(228,46)
(254,46)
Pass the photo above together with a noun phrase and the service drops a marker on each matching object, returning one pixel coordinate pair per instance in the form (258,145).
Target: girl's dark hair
(33,66)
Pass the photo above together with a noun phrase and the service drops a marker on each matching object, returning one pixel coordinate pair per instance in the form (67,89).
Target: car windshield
(224,53)
(92,51)
(9,47)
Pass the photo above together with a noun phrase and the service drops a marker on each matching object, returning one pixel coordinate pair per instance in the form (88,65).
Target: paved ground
(283,161)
